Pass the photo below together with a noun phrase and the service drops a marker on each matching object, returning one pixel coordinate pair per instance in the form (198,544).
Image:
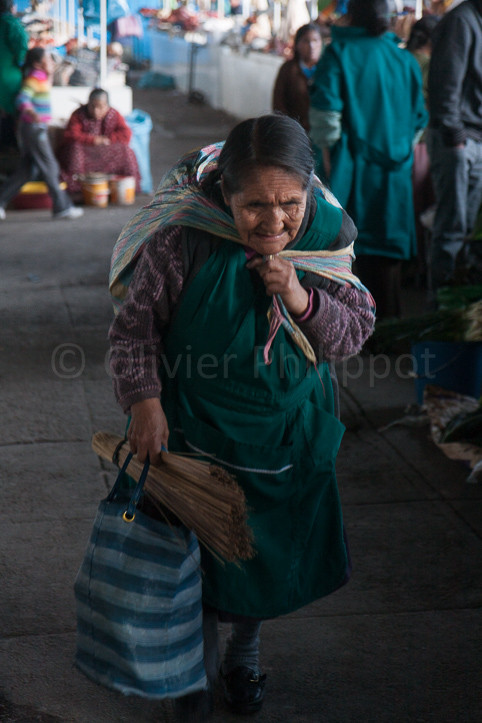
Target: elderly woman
(96,140)
(240,298)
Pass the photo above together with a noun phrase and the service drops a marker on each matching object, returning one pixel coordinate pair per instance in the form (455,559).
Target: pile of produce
(458,318)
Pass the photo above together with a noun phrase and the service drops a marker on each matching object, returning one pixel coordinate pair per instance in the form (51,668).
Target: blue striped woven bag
(138,598)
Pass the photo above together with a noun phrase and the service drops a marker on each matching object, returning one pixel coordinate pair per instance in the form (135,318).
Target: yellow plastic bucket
(122,190)
(95,191)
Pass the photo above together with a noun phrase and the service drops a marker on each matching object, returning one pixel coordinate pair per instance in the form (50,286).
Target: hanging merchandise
(115,9)
(128,26)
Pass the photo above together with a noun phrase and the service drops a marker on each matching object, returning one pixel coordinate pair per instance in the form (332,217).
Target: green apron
(272,426)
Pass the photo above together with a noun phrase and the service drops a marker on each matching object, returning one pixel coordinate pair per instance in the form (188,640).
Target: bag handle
(130,512)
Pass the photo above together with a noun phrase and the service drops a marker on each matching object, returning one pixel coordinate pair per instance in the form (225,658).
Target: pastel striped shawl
(180,200)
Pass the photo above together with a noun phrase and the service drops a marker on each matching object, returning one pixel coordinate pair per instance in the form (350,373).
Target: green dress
(377,89)
(272,426)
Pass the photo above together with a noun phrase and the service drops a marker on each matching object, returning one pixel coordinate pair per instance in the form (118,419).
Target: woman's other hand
(148,430)
(279,277)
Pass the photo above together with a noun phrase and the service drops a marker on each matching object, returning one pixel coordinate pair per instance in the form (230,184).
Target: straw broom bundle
(204,497)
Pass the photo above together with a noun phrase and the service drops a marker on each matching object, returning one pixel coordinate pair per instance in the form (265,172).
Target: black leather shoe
(243,690)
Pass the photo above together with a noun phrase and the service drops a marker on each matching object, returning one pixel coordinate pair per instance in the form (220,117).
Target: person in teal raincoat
(236,295)
(13,48)
(367,112)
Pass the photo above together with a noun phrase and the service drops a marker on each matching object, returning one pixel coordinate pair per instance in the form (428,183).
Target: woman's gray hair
(269,140)
(98,93)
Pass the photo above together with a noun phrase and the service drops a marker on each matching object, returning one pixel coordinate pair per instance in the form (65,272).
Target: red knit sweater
(81,128)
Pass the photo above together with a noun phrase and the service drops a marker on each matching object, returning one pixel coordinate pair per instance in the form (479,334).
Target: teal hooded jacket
(367,106)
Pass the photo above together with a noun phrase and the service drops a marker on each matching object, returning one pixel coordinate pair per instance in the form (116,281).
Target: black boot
(243,690)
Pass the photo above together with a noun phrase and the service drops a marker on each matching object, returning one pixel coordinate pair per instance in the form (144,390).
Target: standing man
(454,139)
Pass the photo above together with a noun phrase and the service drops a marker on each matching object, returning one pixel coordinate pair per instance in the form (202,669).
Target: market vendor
(96,140)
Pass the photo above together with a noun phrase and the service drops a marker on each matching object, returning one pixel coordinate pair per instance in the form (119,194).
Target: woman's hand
(148,430)
(280,277)
(101,141)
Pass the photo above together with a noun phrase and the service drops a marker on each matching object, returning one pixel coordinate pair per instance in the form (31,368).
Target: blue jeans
(457,181)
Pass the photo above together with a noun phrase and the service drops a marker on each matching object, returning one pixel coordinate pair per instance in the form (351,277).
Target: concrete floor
(401,642)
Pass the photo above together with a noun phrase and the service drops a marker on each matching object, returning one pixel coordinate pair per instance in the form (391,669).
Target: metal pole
(103,43)
(63,19)
(71,19)
(56,18)
(80,26)
(276,17)
(191,70)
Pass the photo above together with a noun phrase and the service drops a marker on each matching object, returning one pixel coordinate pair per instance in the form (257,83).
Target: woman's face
(269,209)
(98,108)
(309,47)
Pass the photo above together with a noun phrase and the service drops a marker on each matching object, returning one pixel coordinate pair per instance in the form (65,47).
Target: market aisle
(401,642)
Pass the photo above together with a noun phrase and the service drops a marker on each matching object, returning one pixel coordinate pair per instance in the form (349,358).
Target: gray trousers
(457,180)
(37,162)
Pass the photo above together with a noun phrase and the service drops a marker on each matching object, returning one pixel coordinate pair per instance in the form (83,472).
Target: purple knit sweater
(340,323)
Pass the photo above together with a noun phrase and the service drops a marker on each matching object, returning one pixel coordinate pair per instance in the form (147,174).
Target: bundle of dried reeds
(204,497)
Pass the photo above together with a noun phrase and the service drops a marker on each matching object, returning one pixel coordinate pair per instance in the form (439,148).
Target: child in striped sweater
(37,160)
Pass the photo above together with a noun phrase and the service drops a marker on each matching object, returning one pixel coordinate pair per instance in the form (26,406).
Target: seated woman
(96,140)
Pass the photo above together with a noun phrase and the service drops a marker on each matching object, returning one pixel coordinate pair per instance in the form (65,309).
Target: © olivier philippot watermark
(376,367)
(68,361)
